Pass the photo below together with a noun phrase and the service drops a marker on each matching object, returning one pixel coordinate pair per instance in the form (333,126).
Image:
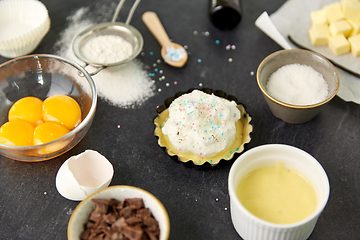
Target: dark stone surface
(31,207)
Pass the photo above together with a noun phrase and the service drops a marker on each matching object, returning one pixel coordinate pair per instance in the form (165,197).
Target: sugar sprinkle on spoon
(173,54)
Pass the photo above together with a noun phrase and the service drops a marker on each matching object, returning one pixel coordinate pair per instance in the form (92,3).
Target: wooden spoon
(153,23)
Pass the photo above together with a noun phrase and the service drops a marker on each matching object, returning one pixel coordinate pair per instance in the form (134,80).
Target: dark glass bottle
(225,14)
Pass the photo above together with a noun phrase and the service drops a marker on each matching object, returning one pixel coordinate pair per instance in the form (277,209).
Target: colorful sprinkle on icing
(201,123)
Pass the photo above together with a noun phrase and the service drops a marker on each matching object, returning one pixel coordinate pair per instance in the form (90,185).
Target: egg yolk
(17,133)
(28,109)
(62,109)
(48,131)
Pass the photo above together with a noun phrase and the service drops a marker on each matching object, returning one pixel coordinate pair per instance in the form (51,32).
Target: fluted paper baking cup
(242,136)
(23,24)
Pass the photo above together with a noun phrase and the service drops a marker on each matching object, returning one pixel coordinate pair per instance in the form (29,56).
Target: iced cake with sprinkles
(201,126)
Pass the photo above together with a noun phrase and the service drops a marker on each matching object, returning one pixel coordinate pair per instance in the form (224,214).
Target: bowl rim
(288,105)
(314,215)
(166,215)
(83,123)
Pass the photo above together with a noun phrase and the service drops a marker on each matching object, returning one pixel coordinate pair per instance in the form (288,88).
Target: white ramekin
(249,226)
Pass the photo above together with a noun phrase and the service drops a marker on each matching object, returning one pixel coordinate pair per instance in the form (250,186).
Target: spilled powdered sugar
(125,86)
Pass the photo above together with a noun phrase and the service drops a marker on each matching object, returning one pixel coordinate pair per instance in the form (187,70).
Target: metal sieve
(113,28)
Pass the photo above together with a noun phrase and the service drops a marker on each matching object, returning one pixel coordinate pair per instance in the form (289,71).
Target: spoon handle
(153,23)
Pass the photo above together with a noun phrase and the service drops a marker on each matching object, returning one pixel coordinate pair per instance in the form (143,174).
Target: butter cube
(318,17)
(355,27)
(355,45)
(351,10)
(333,12)
(339,44)
(319,34)
(340,27)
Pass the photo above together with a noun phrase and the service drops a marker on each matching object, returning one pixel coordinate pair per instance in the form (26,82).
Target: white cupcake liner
(30,21)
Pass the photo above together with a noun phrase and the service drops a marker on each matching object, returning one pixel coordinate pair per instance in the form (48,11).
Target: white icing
(201,123)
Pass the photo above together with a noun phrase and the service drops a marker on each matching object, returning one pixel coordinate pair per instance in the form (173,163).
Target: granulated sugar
(125,86)
(298,85)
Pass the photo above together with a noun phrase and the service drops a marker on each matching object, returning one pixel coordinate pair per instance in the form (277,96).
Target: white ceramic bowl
(23,24)
(249,226)
(82,211)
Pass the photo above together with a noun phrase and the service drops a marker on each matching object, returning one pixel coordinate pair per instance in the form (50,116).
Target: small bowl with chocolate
(119,212)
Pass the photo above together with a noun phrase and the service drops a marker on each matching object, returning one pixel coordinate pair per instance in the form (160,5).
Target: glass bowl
(43,76)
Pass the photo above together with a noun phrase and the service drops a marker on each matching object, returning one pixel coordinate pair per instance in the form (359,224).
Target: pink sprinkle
(175,83)
(200,153)
(210,115)
(118,126)
(193,123)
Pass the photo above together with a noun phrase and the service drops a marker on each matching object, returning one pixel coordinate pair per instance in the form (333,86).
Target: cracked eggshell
(83,174)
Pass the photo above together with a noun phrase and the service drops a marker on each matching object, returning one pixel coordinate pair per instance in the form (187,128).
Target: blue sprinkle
(209,138)
(156,70)
(189,53)
(199,60)
(222,134)
(237,149)
(205,131)
(210,161)
(210,121)
(151,53)
(217,42)
(231,152)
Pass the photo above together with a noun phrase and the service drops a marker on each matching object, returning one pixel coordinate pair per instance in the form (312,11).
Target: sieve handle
(153,23)
(94,72)
(131,13)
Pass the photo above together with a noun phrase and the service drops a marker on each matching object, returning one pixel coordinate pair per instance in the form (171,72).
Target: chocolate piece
(133,233)
(143,213)
(101,205)
(135,203)
(126,212)
(125,220)
(132,220)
